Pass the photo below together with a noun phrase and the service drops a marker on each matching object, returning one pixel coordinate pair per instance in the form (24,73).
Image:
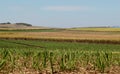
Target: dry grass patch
(62,35)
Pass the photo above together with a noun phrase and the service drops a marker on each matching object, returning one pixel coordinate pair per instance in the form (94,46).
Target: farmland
(59,51)
(62,35)
(97,29)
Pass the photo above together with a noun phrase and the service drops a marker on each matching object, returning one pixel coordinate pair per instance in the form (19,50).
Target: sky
(61,13)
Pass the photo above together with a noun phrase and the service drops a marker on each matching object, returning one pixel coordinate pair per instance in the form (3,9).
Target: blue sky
(61,13)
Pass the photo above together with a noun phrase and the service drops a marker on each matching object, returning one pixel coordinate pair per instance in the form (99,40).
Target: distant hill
(116,26)
(8,25)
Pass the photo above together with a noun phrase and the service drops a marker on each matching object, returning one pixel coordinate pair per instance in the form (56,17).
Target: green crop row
(12,60)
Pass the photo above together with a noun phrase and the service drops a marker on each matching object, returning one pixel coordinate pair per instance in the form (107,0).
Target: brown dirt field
(113,70)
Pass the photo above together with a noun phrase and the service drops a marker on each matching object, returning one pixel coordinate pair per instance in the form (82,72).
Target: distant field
(63,35)
(97,29)
(29,30)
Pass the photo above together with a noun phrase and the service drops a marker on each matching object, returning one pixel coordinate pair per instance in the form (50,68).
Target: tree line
(26,24)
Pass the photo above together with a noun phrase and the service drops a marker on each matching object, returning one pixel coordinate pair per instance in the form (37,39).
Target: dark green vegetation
(55,57)
(57,45)
(25,24)
(5,23)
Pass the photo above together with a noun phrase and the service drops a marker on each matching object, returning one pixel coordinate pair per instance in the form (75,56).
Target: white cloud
(66,8)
